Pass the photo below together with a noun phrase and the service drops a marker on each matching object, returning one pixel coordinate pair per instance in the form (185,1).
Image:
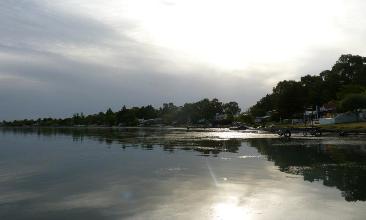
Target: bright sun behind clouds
(234,34)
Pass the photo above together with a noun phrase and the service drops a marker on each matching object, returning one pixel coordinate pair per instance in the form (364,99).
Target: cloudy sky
(62,57)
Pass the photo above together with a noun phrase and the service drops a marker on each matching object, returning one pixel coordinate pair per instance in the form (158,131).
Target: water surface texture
(174,174)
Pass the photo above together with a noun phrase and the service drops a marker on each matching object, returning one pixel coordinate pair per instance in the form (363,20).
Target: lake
(163,174)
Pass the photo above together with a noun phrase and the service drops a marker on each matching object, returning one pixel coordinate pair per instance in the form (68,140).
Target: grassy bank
(356,126)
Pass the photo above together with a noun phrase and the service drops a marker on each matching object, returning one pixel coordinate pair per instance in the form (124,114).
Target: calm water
(173,174)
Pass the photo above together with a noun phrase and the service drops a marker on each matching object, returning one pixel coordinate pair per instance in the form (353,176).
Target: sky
(62,57)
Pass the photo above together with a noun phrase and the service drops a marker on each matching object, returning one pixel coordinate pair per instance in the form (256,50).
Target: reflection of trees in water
(341,166)
(143,138)
(349,178)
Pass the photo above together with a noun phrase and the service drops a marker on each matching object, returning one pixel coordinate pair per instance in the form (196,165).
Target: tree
(231,108)
(313,86)
(353,102)
(110,118)
(350,89)
(264,105)
(351,69)
(245,118)
(289,98)
(168,113)
(126,116)
(148,112)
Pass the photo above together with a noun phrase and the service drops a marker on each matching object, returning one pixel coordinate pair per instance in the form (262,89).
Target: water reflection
(207,143)
(156,174)
(341,166)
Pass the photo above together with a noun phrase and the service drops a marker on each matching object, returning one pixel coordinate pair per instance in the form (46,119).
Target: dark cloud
(25,23)
(68,87)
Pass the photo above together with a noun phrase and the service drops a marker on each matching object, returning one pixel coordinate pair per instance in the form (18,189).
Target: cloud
(31,23)
(47,73)
(58,58)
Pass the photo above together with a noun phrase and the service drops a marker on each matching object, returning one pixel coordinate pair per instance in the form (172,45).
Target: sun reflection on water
(230,210)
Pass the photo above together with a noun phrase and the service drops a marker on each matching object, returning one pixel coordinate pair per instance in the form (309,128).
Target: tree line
(344,84)
(204,111)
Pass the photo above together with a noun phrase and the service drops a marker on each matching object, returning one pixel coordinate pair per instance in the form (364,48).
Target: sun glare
(230,210)
(233,34)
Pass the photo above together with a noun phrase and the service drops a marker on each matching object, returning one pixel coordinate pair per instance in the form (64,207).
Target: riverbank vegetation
(204,112)
(344,84)
(347,127)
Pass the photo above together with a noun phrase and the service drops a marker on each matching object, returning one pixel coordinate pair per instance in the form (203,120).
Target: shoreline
(295,130)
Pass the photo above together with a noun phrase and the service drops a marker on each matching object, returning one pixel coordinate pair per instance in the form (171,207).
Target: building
(340,118)
(220,117)
(262,119)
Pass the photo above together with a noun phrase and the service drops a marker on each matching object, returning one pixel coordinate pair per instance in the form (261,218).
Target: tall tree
(231,108)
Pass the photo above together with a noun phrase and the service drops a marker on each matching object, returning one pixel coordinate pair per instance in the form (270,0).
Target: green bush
(353,102)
